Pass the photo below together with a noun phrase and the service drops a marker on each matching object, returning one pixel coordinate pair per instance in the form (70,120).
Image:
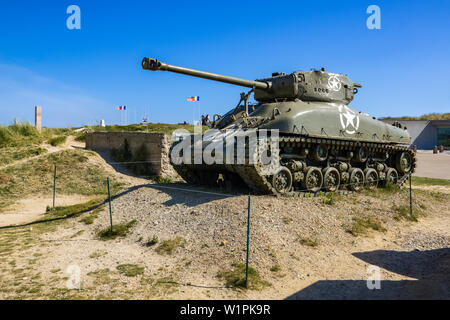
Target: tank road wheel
(403,162)
(320,153)
(331,179)
(371,176)
(313,179)
(391,177)
(356,179)
(282,181)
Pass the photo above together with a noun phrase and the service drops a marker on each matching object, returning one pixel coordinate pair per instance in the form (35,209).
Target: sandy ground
(32,209)
(413,257)
(431,165)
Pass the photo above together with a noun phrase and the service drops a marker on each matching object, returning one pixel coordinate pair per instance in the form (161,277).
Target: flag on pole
(121,108)
(195,98)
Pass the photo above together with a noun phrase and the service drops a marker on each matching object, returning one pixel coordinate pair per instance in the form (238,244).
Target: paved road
(431,165)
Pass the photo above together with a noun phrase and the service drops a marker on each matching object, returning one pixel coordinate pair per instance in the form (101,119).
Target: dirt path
(32,209)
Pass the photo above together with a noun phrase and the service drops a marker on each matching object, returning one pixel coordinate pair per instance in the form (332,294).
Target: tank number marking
(321,90)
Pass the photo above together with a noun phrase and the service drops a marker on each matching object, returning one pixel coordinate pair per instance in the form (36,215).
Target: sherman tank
(322,143)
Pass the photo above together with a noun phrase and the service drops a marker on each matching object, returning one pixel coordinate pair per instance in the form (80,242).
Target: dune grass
(75,175)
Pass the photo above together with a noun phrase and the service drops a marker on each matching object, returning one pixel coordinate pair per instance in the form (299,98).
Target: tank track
(251,174)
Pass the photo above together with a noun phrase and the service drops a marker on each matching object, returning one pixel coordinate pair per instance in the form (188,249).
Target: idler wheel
(282,180)
(320,153)
(403,162)
(331,179)
(356,179)
(371,176)
(313,179)
(391,176)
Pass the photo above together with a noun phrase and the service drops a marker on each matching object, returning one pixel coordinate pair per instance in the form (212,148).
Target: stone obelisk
(38,117)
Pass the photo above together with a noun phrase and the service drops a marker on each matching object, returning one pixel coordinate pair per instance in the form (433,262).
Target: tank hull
(321,146)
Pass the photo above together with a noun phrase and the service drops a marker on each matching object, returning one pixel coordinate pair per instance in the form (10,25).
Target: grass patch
(331,198)
(89,219)
(79,233)
(119,230)
(130,270)
(97,254)
(419,181)
(235,278)
(19,134)
(151,127)
(403,213)
(56,141)
(101,276)
(74,210)
(275,268)
(151,241)
(9,155)
(309,242)
(75,175)
(169,246)
(360,225)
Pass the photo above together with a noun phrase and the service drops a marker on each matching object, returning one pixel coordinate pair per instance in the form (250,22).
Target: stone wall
(157,146)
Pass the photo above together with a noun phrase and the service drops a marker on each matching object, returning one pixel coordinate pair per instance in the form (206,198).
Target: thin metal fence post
(410,197)
(109,199)
(248,243)
(54,186)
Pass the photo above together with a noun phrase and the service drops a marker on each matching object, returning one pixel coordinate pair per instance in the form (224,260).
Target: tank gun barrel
(154,65)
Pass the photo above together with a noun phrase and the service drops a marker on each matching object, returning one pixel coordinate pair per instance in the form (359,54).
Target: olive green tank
(322,142)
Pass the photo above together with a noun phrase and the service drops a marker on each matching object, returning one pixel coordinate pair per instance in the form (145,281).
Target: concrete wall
(157,146)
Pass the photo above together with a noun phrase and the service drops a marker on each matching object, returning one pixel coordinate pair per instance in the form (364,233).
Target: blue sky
(80,76)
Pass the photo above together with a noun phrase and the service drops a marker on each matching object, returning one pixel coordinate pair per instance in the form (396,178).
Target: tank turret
(316,85)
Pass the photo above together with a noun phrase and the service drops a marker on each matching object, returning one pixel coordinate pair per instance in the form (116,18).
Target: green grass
(151,241)
(275,268)
(73,210)
(11,154)
(19,134)
(152,127)
(403,212)
(419,181)
(309,242)
(89,219)
(130,270)
(236,277)
(331,198)
(360,225)
(75,175)
(169,246)
(119,230)
(56,141)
